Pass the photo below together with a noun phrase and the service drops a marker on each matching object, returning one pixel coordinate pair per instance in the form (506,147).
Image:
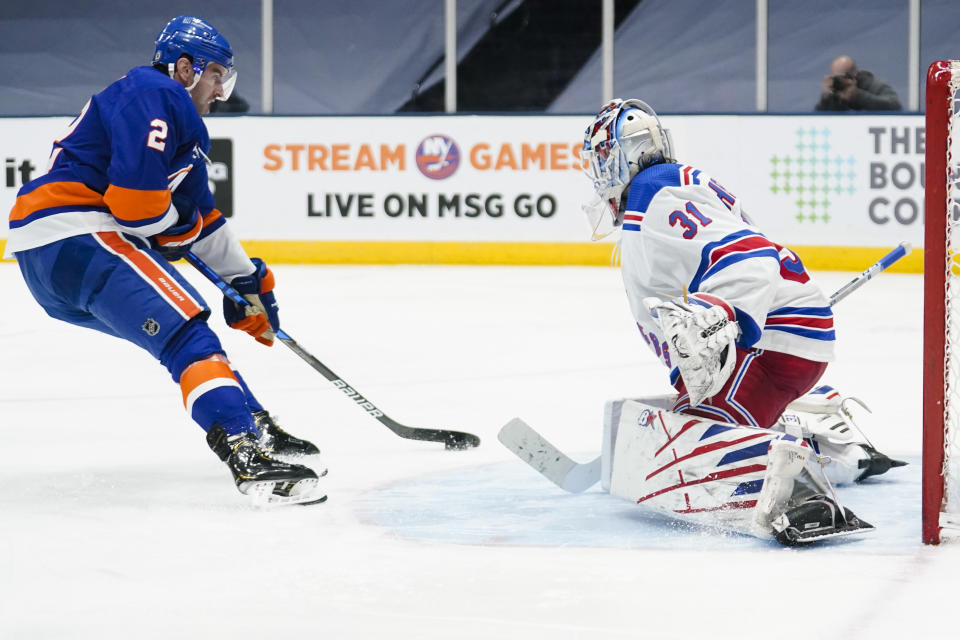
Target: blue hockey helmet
(625,138)
(199,40)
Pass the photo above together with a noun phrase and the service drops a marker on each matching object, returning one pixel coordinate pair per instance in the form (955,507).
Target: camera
(840,82)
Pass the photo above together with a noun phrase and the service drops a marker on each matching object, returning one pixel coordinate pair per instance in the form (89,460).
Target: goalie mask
(186,35)
(625,138)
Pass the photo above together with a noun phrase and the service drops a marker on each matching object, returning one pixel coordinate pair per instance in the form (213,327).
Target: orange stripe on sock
(162,281)
(55,194)
(134,205)
(203,371)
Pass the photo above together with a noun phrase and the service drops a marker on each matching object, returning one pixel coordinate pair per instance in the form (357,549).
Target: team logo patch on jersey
(438,156)
(151,327)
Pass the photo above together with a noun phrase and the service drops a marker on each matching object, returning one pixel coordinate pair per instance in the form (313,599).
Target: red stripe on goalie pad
(707,449)
(743,504)
(717,475)
(686,426)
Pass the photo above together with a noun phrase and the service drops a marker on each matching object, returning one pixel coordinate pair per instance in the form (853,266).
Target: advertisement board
(501,189)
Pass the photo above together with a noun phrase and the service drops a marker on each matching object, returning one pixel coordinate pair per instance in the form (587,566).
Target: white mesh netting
(951,466)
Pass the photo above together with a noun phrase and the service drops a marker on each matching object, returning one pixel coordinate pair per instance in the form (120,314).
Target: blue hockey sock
(213,396)
(252,402)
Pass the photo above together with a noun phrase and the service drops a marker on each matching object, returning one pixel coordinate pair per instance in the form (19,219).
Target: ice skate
(827,420)
(816,518)
(263,478)
(275,440)
(876,463)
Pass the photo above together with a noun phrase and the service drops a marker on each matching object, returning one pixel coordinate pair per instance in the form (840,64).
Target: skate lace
(247,448)
(847,416)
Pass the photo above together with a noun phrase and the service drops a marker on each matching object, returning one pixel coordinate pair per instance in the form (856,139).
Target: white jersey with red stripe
(684,233)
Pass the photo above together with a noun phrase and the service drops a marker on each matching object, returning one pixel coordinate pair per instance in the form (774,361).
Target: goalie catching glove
(260,318)
(701,333)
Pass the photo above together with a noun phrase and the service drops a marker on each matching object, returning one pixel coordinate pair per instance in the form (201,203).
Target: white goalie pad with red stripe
(688,467)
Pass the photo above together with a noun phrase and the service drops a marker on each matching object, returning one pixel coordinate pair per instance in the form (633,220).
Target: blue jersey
(133,146)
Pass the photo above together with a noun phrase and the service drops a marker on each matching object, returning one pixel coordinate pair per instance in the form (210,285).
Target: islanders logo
(438,156)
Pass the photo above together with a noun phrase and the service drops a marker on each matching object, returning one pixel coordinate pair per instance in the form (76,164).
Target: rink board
(840,189)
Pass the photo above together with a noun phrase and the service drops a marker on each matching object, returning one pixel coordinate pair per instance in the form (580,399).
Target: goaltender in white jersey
(747,442)
(684,235)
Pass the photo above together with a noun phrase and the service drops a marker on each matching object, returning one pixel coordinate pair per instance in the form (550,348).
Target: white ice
(116,521)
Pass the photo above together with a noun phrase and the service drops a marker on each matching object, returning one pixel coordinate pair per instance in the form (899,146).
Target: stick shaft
(882,264)
(453,439)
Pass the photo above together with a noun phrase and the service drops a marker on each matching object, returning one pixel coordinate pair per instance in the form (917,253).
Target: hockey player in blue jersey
(744,331)
(126,192)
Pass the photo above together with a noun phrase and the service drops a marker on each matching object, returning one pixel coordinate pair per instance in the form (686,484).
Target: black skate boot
(816,518)
(876,464)
(273,439)
(256,474)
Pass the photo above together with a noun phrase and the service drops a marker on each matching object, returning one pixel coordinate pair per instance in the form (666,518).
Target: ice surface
(507,504)
(116,521)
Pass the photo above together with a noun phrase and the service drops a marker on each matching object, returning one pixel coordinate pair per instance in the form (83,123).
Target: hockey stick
(531,447)
(553,464)
(450,439)
(880,265)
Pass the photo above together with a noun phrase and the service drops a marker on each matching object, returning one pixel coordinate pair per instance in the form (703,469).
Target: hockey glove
(701,336)
(260,318)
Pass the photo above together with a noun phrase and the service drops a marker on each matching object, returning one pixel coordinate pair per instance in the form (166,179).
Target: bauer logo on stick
(438,156)
(351,393)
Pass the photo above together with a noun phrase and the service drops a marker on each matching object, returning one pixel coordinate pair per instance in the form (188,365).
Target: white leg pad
(611,423)
(698,469)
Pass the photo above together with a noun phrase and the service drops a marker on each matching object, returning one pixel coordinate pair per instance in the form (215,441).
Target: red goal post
(941,318)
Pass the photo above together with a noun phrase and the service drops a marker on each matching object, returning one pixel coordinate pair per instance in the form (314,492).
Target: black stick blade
(458,440)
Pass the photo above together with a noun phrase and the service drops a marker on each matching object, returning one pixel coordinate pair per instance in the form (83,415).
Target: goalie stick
(880,265)
(528,445)
(450,439)
(553,464)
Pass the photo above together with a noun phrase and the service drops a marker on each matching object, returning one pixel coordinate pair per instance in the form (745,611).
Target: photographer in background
(850,89)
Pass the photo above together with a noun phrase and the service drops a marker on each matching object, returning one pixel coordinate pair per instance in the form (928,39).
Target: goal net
(941,360)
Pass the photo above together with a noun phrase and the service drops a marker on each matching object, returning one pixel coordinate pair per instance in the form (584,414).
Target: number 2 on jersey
(158,135)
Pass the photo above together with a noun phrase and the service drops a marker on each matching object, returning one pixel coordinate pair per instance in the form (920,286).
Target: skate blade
(270,494)
(846,531)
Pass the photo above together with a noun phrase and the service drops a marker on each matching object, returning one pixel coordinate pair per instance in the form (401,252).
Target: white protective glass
(228,81)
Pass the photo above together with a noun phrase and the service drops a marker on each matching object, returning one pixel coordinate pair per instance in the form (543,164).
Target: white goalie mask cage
(625,138)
